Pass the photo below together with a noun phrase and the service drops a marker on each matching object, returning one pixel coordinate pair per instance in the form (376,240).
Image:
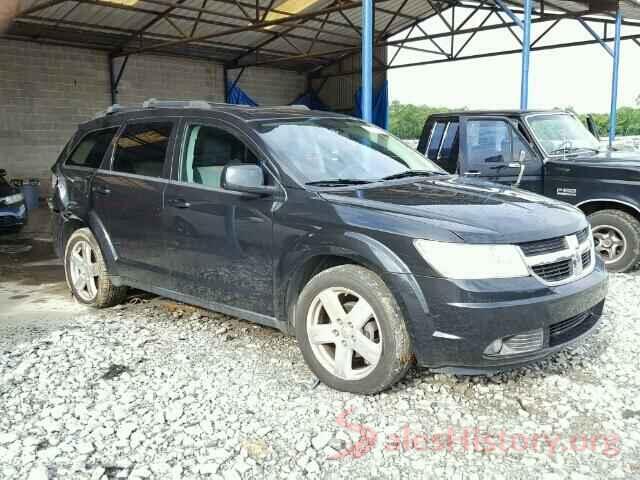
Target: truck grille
(7,221)
(554,272)
(562,259)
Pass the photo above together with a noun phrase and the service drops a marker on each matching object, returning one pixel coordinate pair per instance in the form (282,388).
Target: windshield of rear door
(560,133)
(321,149)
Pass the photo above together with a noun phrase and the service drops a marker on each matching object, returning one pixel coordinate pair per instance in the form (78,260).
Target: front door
(128,200)
(219,242)
(492,151)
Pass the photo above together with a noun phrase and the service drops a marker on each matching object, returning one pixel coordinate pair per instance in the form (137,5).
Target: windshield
(329,149)
(561,133)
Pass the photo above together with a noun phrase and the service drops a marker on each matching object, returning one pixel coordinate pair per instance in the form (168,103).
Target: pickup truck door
(440,142)
(491,148)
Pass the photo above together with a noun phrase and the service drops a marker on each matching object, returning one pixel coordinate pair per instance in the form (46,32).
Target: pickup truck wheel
(86,272)
(351,331)
(617,239)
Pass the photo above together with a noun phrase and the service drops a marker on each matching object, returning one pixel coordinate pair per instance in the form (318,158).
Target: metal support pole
(112,88)
(613,114)
(367,61)
(526,45)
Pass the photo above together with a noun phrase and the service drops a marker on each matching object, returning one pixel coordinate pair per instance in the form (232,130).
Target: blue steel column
(367,60)
(526,44)
(613,113)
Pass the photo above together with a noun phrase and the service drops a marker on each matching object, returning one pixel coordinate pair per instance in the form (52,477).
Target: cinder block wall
(45,91)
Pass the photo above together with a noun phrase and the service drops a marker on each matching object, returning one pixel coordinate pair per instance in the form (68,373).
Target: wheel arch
(305,261)
(591,206)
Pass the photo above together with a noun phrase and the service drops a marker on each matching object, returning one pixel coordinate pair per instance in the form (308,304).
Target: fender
(357,247)
(104,240)
(622,200)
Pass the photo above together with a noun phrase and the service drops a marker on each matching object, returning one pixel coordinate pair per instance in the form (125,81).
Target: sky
(578,77)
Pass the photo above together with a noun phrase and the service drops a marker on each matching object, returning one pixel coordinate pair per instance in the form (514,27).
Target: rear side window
(448,156)
(434,142)
(142,148)
(90,151)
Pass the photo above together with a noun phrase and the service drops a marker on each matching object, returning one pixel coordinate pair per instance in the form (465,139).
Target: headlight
(463,261)
(11,199)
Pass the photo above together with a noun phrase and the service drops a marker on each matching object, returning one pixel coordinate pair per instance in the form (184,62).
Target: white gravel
(163,391)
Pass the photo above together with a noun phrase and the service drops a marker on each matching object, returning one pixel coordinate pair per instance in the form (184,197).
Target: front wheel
(616,235)
(86,272)
(351,331)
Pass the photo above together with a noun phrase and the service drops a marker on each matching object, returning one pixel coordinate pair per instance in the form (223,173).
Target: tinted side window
(434,142)
(90,151)
(142,148)
(206,152)
(448,156)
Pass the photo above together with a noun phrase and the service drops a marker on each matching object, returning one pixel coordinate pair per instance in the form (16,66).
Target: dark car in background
(13,211)
(325,227)
(551,153)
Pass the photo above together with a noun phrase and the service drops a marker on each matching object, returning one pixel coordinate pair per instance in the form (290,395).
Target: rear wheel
(351,331)
(86,272)
(616,235)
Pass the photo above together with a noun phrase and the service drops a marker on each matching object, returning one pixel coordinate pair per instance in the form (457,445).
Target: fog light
(516,344)
(494,347)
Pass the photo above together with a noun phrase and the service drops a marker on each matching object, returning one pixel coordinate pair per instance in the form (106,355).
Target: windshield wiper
(412,173)
(337,182)
(568,150)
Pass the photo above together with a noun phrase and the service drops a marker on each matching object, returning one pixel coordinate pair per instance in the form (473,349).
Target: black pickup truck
(552,153)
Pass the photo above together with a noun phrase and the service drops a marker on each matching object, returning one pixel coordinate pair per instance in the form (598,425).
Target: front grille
(543,246)
(583,235)
(566,325)
(586,258)
(554,272)
(7,221)
(573,327)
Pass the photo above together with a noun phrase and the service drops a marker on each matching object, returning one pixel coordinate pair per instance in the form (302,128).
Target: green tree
(407,120)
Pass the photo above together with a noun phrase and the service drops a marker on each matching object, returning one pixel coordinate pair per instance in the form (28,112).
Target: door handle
(101,190)
(472,173)
(179,203)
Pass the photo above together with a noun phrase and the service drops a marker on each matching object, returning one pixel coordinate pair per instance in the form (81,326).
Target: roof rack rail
(155,103)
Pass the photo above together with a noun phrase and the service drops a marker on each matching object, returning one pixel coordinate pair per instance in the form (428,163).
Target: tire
(614,225)
(379,320)
(89,283)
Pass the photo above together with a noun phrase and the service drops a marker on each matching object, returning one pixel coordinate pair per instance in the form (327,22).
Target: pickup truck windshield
(341,151)
(561,133)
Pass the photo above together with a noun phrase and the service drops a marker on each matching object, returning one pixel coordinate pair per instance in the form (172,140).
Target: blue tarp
(311,100)
(380,105)
(237,96)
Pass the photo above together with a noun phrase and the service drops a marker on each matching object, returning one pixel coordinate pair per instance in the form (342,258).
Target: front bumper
(452,322)
(13,216)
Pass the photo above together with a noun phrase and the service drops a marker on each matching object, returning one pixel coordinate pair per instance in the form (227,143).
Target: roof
(242,32)
(154,107)
(500,113)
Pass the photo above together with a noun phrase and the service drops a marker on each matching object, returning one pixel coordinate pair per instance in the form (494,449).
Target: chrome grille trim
(578,255)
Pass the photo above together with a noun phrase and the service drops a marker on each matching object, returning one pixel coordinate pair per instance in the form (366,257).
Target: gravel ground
(160,390)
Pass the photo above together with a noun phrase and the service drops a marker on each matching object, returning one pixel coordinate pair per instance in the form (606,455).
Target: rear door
(491,150)
(219,242)
(79,166)
(440,143)
(128,199)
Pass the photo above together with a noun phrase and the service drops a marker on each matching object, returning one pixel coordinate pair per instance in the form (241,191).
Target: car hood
(470,210)
(609,165)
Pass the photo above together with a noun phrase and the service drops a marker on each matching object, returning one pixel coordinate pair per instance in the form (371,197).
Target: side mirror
(246,179)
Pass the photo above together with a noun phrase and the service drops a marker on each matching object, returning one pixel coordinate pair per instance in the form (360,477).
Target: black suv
(325,227)
(552,153)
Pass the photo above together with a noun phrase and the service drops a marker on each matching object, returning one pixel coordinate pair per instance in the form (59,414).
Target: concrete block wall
(268,86)
(46,91)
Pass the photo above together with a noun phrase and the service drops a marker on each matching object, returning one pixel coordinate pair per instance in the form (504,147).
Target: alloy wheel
(344,334)
(84,271)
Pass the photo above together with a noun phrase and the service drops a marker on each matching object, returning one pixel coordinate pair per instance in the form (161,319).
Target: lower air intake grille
(554,272)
